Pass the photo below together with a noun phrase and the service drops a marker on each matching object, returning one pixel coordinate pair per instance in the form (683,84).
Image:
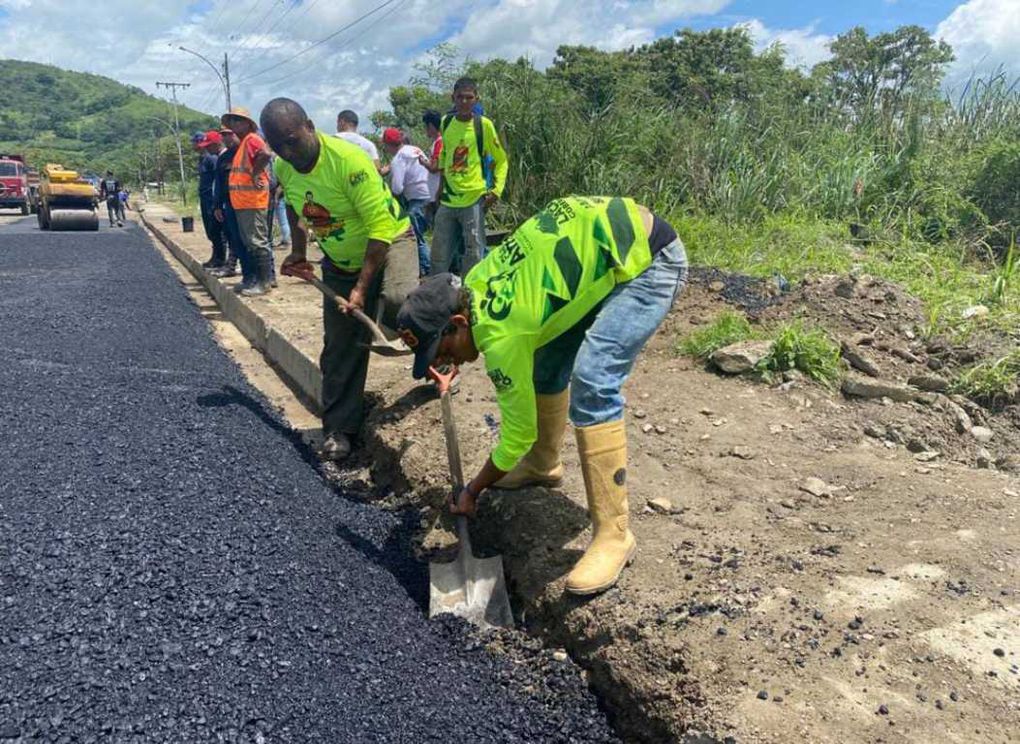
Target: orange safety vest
(246,192)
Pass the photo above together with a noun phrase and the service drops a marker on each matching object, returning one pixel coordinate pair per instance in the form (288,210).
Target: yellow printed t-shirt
(344,201)
(463,179)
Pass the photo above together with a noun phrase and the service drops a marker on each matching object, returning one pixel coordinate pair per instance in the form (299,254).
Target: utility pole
(226,79)
(224,76)
(177,132)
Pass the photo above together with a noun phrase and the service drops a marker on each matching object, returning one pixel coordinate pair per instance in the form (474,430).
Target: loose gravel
(172,566)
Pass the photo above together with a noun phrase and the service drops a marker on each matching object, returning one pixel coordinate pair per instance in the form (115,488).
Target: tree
(882,72)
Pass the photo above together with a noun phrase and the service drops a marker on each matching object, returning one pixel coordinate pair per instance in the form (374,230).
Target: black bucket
(188,224)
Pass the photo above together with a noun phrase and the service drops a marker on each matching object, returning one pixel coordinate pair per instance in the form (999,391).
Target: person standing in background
(432,119)
(347,129)
(222,210)
(464,195)
(409,182)
(211,145)
(248,185)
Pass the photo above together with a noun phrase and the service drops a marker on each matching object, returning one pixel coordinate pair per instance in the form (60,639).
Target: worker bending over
(570,298)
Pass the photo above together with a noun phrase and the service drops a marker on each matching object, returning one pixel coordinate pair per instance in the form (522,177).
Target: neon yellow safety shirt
(540,282)
(463,179)
(344,201)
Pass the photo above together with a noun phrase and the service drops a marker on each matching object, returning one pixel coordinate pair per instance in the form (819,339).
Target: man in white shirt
(347,129)
(409,182)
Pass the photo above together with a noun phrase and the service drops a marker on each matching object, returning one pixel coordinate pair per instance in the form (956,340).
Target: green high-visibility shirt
(545,278)
(463,177)
(344,201)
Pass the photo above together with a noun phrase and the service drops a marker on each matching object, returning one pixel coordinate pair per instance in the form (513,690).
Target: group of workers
(560,310)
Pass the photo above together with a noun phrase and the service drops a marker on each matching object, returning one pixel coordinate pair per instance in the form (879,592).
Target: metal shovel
(380,344)
(469,587)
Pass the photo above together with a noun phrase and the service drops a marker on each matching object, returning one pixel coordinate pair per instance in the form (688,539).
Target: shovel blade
(471,588)
(390,348)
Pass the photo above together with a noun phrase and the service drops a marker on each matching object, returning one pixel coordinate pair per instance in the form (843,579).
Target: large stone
(931,383)
(740,357)
(858,360)
(861,387)
(982,433)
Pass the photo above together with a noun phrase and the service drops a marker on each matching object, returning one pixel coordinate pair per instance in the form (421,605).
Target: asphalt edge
(634,718)
(300,370)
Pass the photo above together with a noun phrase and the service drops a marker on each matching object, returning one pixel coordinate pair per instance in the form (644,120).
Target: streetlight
(224,77)
(180,153)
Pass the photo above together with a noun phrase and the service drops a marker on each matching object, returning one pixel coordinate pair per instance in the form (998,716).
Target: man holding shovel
(370,252)
(571,297)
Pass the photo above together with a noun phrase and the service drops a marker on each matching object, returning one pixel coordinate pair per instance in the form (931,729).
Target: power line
(364,32)
(333,35)
(264,34)
(245,20)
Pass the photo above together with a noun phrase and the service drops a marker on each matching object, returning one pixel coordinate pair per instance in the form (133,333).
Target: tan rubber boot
(542,466)
(603,452)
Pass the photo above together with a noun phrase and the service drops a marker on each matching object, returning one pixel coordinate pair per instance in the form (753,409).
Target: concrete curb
(300,370)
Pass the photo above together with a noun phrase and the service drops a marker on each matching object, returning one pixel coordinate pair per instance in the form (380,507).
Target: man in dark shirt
(210,147)
(109,189)
(223,213)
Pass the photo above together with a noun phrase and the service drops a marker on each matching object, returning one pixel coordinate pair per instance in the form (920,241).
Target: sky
(331,55)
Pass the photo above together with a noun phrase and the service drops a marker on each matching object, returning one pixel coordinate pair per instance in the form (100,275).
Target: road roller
(66,200)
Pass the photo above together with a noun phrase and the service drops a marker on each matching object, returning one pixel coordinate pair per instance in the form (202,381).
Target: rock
(862,387)
(559,655)
(740,357)
(935,364)
(961,419)
(716,286)
(974,311)
(794,376)
(982,433)
(816,487)
(1008,463)
(640,414)
(847,288)
(931,383)
(984,459)
(999,652)
(883,710)
(660,429)
(858,360)
(741,452)
(662,505)
(874,430)
(926,456)
(763,695)
(916,444)
(646,428)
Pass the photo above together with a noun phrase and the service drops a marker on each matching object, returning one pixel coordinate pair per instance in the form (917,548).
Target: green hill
(86,121)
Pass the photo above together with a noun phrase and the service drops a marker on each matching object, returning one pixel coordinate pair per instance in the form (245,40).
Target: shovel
(469,587)
(380,344)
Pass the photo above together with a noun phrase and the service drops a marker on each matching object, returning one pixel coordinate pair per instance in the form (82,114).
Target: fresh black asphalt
(172,566)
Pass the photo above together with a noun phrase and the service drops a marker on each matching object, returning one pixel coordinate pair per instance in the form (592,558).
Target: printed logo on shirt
(460,159)
(320,220)
(553,215)
(500,380)
(499,295)
(356,179)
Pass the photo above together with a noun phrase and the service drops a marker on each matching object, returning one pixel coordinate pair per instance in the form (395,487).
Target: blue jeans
(420,224)
(458,238)
(598,353)
(281,220)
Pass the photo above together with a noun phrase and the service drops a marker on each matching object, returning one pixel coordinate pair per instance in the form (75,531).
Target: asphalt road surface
(172,566)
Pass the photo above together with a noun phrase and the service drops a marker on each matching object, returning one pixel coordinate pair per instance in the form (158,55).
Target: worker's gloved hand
(296,265)
(444,378)
(463,502)
(490,200)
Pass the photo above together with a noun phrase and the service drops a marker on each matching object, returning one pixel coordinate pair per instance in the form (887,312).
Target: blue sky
(136,42)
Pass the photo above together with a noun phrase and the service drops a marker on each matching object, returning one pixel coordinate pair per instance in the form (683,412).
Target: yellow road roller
(66,200)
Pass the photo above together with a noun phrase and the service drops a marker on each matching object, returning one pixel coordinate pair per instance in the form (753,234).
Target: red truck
(14,183)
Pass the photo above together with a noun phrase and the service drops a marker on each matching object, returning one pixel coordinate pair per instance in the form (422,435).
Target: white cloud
(136,43)
(535,28)
(983,34)
(804,47)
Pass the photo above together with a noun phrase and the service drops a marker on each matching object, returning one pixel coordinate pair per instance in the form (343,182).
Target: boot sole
(631,554)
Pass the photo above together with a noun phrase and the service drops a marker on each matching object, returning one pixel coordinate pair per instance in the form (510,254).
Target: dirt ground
(882,605)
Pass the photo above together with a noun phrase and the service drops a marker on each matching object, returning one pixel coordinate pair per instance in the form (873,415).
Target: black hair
(432,117)
(464,83)
(349,116)
(282,110)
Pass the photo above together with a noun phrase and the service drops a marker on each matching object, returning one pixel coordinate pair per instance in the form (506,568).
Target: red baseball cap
(393,136)
(212,137)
